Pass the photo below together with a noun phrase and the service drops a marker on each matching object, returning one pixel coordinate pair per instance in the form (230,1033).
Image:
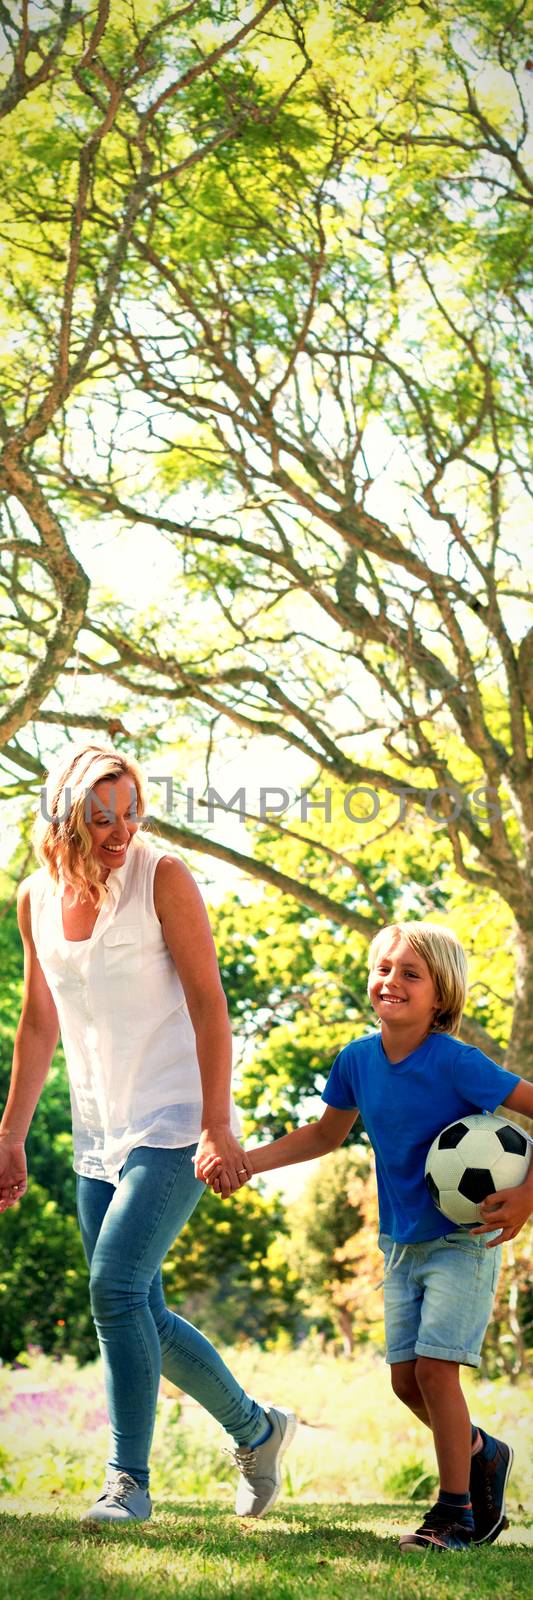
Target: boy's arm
(521,1098)
(303,1144)
(510,1208)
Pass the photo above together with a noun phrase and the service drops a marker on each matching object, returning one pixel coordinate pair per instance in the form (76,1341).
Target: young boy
(408,1081)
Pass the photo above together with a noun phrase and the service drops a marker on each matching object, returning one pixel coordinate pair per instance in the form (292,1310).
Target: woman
(119,956)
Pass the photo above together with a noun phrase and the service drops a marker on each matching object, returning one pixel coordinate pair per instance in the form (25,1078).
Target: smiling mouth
(392,999)
(114,849)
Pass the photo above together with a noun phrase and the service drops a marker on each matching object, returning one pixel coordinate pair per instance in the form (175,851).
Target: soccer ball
(473,1158)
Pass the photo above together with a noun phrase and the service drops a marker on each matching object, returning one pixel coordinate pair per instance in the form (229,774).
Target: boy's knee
(431,1374)
(403,1380)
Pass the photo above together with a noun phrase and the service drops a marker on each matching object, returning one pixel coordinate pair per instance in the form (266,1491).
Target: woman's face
(112,820)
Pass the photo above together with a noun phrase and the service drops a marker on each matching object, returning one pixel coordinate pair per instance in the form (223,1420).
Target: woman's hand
(13,1172)
(220,1161)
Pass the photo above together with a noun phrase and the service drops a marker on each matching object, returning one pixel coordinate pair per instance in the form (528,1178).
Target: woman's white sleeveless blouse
(127,1035)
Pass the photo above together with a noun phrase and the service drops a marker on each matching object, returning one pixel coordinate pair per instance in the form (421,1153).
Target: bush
(44,1294)
(411,1480)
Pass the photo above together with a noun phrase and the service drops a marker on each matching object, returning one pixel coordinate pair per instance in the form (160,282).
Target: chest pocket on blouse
(122,950)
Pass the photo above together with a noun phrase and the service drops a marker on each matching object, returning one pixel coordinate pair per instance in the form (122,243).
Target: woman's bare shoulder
(173,880)
(27,887)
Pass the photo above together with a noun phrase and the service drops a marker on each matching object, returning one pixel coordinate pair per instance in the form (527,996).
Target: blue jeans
(126,1232)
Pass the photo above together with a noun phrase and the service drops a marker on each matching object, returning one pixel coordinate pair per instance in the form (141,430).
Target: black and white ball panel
(472,1158)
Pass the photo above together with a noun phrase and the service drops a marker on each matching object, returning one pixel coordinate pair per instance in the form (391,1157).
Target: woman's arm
(188,936)
(35,1041)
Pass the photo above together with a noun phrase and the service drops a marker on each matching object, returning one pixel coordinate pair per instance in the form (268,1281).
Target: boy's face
(400,986)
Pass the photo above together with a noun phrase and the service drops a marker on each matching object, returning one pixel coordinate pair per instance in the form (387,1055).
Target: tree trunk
(519,1057)
(346,1327)
(518,1361)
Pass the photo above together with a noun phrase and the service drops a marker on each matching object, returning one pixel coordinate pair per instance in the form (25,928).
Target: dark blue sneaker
(489,1476)
(439,1531)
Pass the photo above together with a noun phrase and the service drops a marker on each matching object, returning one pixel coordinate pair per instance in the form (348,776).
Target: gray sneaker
(122,1500)
(260,1480)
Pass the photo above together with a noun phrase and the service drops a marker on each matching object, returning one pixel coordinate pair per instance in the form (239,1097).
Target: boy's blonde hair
(61,837)
(446,961)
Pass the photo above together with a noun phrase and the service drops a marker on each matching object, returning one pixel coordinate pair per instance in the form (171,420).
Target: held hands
(507,1210)
(220,1162)
(13,1173)
(214,1178)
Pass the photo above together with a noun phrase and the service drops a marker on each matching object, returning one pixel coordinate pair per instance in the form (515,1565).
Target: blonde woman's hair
(61,837)
(445,958)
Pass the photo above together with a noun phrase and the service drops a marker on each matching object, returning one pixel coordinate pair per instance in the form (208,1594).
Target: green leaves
(266,302)
(233,1252)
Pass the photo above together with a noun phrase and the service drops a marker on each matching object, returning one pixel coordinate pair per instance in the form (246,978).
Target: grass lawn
(360,1472)
(199,1550)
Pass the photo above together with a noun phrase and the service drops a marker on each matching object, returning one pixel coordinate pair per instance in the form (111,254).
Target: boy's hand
(218,1151)
(508,1210)
(214,1177)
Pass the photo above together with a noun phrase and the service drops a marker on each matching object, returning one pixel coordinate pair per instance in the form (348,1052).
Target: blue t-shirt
(403,1107)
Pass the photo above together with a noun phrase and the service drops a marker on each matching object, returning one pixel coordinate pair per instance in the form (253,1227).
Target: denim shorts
(439,1297)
